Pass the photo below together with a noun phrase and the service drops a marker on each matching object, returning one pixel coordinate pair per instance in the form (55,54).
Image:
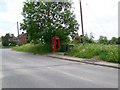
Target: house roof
(21,35)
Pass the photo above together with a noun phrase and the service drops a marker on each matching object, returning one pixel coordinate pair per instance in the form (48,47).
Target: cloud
(2,6)
(99,16)
(10,13)
(13,11)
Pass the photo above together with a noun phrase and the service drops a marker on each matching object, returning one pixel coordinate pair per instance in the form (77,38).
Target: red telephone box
(56,43)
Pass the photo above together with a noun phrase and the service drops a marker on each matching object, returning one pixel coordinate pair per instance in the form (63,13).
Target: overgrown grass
(7,46)
(33,48)
(103,52)
(107,53)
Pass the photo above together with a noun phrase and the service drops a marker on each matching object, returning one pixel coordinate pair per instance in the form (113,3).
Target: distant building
(12,38)
(22,39)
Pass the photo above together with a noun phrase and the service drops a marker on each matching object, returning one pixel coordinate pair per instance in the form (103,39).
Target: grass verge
(107,53)
(33,48)
(7,46)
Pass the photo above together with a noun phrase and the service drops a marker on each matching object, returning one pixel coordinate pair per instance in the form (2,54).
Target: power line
(14,24)
(116,3)
(10,27)
(95,18)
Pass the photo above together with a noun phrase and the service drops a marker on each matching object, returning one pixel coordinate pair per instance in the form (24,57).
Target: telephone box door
(56,43)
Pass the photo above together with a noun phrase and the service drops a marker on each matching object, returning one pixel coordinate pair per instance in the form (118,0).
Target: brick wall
(22,39)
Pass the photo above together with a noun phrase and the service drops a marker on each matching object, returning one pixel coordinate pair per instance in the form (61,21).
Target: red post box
(56,43)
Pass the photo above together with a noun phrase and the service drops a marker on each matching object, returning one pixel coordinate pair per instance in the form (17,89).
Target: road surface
(25,70)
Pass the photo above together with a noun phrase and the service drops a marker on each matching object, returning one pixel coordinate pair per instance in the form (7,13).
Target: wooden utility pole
(81,18)
(18,29)
(18,43)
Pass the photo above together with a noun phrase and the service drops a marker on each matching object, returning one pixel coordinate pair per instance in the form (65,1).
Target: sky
(100,17)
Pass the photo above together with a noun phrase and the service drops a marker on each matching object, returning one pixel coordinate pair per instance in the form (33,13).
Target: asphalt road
(25,70)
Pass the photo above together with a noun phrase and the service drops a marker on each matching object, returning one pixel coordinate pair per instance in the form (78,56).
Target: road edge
(82,61)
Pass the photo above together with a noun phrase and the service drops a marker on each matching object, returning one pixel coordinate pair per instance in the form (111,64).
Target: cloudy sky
(100,17)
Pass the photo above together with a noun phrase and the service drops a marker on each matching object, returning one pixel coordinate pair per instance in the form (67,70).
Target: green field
(102,52)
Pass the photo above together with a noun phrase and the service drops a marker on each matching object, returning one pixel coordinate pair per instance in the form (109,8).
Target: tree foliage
(43,20)
(89,39)
(7,40)
(85,39)
(103,40)
(118,41)
(114,40)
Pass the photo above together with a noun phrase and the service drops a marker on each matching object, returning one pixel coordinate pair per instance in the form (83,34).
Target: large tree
(113,40)
(43,20)
(8,40)
(103,40)
(118,42)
